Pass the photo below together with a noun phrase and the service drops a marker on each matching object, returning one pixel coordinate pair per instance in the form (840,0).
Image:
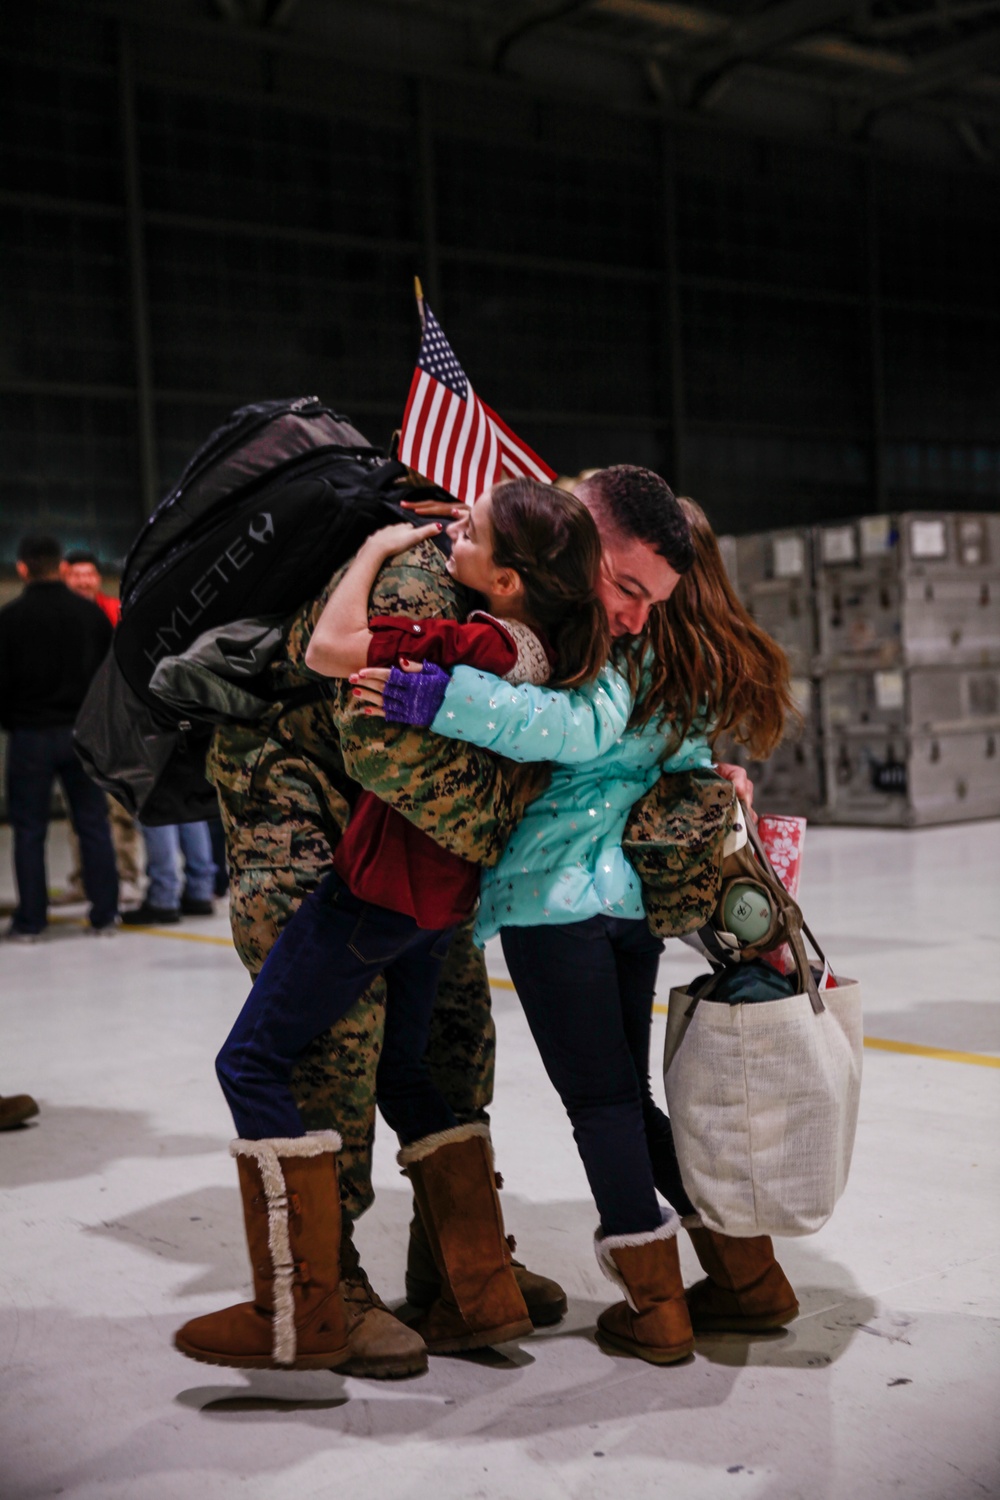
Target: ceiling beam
(778,25)
(262,13)
(526,18)
(941,70)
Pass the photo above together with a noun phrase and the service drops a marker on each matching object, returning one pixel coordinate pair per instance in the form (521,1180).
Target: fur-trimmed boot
(480,1302)
(745,1290)
(382,1348)
(543,1297)
(653,1321)
(291,1209)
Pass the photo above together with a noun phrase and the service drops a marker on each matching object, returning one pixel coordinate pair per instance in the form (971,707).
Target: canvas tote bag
(763,1098)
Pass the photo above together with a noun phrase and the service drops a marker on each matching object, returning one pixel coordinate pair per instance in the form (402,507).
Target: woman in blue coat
(568,905)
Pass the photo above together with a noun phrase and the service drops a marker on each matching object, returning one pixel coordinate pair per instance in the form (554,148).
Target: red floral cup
(783,838)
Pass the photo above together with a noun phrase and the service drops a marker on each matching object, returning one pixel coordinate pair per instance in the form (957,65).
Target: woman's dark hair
(703,657)
(549,538)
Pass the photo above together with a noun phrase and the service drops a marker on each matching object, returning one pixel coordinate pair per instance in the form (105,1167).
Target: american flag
(451,437)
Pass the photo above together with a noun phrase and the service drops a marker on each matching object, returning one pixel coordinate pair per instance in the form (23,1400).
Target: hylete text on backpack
(277,498)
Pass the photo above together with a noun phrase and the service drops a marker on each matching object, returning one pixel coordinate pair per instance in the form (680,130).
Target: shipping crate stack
(908,666)
(773,572)
(891,625)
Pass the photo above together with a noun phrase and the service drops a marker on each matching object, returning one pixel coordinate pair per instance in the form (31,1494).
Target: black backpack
(277,498)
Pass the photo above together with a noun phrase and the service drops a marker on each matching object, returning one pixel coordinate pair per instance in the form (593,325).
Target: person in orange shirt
(82,573)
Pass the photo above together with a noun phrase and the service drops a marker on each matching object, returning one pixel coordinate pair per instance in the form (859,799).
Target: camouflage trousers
(272,868)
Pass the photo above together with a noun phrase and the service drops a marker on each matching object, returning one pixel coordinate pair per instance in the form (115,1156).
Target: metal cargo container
(907,780)
(774,572)
(918,588)
(865,621)
(912,698)
(911,544)
(787,613)
(729,549)
(791,780)
(767,556)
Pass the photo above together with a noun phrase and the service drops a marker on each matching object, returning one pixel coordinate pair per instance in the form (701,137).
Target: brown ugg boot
(745,1291)
(543,1297)
(382,1348)
(15,1109)
(480,1302)
(653,1320)
(291,1209)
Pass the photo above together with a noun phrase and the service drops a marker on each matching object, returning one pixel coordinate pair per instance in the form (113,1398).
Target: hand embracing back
(389,541)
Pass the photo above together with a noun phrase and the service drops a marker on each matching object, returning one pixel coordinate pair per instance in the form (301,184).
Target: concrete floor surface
(121,1220)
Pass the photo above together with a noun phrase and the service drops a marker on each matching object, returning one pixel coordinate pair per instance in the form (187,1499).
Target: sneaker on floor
(191,907)
(68,896)
(110,929)
(129,894)
(151,916)
(15,1109)
(19,935)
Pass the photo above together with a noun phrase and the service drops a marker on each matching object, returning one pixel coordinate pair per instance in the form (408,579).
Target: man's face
(82,578)
(633,578)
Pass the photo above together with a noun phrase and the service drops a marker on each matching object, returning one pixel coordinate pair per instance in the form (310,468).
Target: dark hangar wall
(192,218)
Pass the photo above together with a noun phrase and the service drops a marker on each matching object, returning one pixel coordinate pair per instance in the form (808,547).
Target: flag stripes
(452,438)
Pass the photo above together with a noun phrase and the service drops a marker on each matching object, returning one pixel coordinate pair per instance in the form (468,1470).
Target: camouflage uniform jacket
(455,793)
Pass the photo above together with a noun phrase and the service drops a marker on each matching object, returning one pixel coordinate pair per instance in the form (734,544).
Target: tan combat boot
(745,1291)
(543,1297)
(653,1321)
(480,1302)
(291,1210)
(382,1348)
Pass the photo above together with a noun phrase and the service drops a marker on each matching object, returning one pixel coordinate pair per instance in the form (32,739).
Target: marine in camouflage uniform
(285,788)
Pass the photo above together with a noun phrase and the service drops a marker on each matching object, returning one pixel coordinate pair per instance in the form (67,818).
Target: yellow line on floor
(912,1049)
(881,1044)
(978,1059)
(182,937)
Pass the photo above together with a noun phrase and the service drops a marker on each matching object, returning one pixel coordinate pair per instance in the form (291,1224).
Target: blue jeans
(164,848)
(587,991)
(35,758)
(323,961)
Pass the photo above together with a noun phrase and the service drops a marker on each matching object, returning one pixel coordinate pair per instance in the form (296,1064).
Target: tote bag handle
(795,925)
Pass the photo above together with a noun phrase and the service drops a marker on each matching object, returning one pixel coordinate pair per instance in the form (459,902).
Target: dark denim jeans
(35,757)
(587,991)
(323,961)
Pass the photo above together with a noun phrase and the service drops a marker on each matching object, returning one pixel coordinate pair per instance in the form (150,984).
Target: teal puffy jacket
(564,863)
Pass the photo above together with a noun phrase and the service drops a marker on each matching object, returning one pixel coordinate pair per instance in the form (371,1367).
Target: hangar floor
(121,1220)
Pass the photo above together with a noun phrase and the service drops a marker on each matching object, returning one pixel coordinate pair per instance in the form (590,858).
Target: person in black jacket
(51,644)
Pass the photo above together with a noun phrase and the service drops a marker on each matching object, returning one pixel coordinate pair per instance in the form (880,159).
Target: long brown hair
(549,538)
(710,663)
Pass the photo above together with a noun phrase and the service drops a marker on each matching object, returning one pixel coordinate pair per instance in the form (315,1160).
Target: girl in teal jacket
(568,905)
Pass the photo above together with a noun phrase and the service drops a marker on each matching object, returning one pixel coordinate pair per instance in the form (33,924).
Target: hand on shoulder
(389,541)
